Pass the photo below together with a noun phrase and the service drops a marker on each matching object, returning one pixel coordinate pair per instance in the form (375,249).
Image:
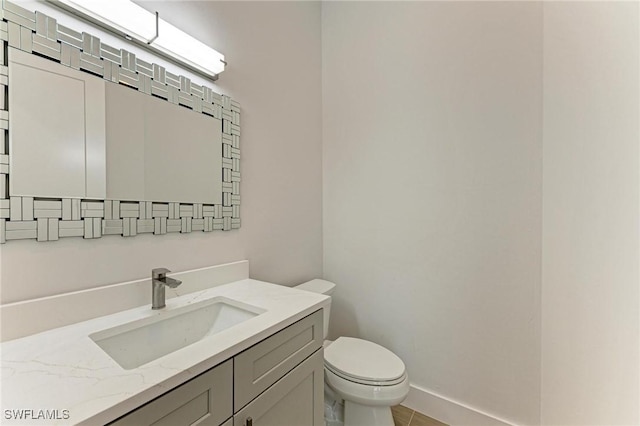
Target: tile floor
(403,416)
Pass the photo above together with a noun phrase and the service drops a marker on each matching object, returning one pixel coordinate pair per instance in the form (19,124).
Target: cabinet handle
(249,421)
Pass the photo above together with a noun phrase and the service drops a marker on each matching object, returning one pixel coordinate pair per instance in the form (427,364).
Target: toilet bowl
(368,377)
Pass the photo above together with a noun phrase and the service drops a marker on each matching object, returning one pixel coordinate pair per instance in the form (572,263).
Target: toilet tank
(322,287)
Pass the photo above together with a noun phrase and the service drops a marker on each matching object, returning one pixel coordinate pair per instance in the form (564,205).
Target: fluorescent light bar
(129,19)
(122,15)
(182,46)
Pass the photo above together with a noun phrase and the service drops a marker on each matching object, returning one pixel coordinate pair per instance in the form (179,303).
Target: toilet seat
(364,362)
(365,382)
(367,394)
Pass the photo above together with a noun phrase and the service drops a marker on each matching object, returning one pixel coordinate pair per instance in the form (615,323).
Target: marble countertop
(64,371)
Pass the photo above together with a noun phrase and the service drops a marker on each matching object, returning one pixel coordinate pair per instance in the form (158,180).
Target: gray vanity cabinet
(295,400)
(264,363)
(205,400)
(276,382)
(284,373)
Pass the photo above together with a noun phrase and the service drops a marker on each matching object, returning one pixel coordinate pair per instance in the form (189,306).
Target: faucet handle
(158,273)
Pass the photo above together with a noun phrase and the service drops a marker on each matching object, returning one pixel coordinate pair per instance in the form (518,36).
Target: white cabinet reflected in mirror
(57,130)
(75,135)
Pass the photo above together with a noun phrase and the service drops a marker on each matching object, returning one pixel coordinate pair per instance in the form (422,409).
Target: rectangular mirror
(95,141)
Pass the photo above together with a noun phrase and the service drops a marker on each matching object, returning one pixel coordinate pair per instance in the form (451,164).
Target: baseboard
(448,411)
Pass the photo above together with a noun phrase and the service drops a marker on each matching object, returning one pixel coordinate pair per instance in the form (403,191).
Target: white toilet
(368,377)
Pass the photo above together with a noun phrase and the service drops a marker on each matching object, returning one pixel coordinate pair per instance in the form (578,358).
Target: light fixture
(187,49)
(127,19)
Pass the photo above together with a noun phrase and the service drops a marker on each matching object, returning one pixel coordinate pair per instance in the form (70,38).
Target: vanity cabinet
(205,400)
(284,373)
(294,400)
(263,364)
(278,381)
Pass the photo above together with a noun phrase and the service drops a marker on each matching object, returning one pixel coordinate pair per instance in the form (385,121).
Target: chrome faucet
(159,280)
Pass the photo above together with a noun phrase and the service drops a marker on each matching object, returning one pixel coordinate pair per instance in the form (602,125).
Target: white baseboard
(448,411)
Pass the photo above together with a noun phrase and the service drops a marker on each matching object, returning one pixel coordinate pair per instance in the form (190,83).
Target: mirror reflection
(75,135)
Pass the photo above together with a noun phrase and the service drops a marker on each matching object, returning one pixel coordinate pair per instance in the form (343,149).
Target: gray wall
(432,191)
(590,282)
(481,199)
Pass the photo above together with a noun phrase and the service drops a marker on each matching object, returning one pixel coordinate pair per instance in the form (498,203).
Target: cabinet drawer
(263,364)
(296,399)
(205,400)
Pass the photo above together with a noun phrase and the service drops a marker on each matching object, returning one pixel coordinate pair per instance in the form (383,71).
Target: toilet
(368,377)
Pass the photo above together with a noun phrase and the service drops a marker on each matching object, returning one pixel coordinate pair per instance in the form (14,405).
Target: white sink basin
(139,342)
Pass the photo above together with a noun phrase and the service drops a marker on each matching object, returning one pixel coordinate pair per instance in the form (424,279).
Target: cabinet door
(57,123)
(205,401)
(263,364)
(295,400)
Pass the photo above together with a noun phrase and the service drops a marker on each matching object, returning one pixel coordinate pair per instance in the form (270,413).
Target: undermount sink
(138,342)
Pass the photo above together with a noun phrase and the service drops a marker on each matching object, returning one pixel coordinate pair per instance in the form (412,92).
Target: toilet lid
(363,360)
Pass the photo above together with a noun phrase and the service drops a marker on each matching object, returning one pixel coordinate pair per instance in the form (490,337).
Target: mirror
(76,135)
(79,165)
